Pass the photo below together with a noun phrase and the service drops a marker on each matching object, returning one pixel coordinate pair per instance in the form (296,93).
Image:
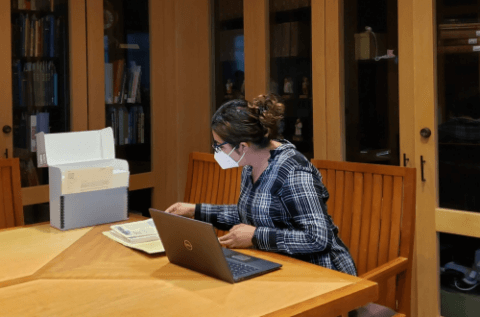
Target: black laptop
(194,245)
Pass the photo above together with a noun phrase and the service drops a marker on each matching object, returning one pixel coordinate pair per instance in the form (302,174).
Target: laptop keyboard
(240,269)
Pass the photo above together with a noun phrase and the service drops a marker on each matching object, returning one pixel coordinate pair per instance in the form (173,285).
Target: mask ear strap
(241,158)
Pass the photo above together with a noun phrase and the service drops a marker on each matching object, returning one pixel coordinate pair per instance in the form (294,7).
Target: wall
(181,103)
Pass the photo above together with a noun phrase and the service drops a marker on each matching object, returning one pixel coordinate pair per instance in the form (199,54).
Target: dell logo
(187,245)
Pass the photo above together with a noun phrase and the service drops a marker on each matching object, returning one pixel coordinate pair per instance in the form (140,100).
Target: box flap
(74,147)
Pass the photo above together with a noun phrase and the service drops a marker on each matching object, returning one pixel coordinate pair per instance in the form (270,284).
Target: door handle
(7,129)
(425,132)
(6,153)
(422,163)
(405,159)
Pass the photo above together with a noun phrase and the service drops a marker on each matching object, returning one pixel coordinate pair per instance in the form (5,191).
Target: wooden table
(48,272)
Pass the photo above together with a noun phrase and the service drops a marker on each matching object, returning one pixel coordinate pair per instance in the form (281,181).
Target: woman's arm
(221,216)
(302,197)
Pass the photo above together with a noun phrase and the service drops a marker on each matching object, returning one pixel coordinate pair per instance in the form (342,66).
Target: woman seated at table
(281,207)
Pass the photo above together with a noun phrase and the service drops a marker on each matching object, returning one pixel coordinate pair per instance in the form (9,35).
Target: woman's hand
(239,237)
(182,209)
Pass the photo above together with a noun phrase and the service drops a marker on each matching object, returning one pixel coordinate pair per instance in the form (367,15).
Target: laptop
(194,245)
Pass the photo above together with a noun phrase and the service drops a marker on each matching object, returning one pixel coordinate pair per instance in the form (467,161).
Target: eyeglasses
(216,146)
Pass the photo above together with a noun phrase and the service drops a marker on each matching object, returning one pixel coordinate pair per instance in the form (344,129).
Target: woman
(281,207)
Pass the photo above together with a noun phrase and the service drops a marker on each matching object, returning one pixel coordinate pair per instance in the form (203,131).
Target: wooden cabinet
(44,81)
(160,153)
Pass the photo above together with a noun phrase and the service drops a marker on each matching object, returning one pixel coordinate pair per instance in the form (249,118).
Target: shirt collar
(286,145)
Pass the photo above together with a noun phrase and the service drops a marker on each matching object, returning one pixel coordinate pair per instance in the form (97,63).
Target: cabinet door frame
(78,83)
(417,99)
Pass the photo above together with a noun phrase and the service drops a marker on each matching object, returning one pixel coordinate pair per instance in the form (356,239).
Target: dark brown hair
(257,122)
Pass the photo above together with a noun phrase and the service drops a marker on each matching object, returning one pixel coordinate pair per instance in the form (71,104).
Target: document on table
(149,247)
(140,235)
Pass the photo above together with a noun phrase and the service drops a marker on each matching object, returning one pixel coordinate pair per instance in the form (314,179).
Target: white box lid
(74,147)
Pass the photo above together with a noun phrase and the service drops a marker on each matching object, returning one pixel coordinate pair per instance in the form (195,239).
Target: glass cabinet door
(458,111)
(40,79)
(229,51)
(458,119)
(291,68)
(371,81)
(127,80)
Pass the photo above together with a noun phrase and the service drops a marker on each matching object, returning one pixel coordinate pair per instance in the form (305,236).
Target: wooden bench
(208,183)
(374,208)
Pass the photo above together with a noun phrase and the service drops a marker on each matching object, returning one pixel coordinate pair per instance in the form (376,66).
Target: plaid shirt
(287,207)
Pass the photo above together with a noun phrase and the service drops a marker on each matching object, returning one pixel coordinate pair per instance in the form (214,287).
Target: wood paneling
(181,102)
(257,48)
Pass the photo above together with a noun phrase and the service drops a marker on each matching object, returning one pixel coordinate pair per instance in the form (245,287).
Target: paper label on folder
(86,180)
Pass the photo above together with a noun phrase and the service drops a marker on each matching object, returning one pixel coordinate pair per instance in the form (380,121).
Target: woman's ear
(243,147)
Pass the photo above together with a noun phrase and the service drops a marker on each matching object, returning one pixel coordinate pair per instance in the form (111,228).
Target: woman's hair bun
(270,114)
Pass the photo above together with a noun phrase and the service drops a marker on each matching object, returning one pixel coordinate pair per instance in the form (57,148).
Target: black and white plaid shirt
(287,207)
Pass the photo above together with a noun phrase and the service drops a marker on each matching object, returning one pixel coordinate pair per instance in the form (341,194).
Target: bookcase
(127,80)
(49,87)
(40,85)
(291,69)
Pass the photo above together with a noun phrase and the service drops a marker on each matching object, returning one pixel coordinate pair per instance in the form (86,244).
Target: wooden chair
(374,208)
(208,183)
(11,208)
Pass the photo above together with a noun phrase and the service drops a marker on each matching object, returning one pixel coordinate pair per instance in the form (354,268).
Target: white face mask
(225,161)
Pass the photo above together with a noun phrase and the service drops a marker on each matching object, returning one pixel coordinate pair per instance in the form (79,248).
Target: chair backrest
(208,183)
(11,208)
(374,208)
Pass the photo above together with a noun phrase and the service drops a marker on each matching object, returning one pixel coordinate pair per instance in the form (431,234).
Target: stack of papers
(140,235)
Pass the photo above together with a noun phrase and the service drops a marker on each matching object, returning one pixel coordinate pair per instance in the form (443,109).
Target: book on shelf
(459,31)
(43,122)
(134,82)
(459,25)
(458,49)
(128,124)
(20,131)
(141,126)
(120,81)
(31,177)
(37,37)
(109,83)
(35,84)
(118,69)
(32,140)
(33,5)
(454,42)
